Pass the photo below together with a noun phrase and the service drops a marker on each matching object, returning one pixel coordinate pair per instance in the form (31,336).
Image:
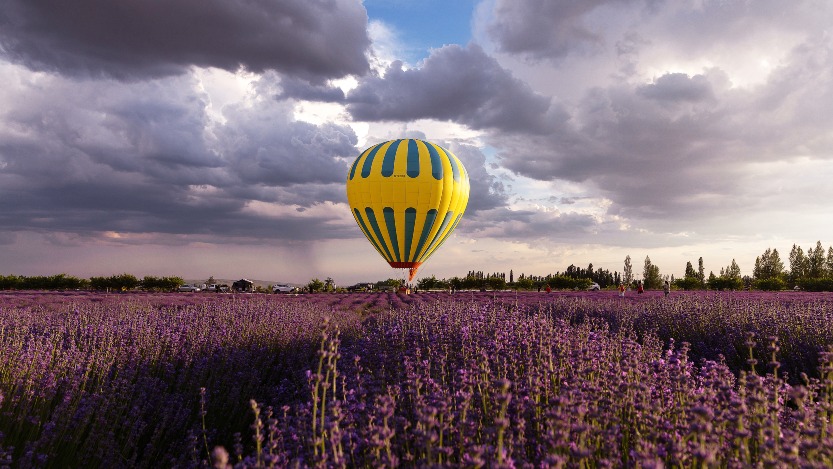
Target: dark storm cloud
(454,84)
(93,157)
(295,88)
(546,28)
(136,39)
(268,147)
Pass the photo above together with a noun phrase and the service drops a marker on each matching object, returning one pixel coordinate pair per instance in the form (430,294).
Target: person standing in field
(666,288)
(639,288)
(622,290)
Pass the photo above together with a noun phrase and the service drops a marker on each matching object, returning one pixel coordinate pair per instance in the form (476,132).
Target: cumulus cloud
(548,29)
(136,39)
(531,226)
(487,191)
(265,145)
(91,157)
(678,87)
(301,89)
(461,84)
(684,145)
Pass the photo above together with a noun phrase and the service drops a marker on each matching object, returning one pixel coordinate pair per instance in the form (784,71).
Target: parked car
(594,287)
(189,288)
(281,288)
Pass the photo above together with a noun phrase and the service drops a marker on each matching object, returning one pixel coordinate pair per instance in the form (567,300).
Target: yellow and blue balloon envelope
(407,196)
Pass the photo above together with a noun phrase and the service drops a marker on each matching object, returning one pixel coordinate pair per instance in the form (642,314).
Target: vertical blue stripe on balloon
(430,218)
(436,161)
(366,231)
(356,164)
(455,169)
(390,221)
(448,235)
(439,236)
(371,218)
(413,158)
(390,158)
(368,162)
(410,222)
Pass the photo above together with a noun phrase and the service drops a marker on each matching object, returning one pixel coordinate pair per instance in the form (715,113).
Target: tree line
(120,282)
(810,270)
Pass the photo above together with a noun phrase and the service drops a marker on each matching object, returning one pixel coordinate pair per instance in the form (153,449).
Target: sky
(206,138)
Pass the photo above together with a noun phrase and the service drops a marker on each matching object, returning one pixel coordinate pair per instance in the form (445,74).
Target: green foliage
(689,270)
(389,284)
(560,282)
(478,280)
(162,284)
(431,283)
(816,261)
(495,283)
(315,285)
(650,275)
(688,283)
(816,284)
(10,282)
(725,283)
(811,272)
(769,284)
(732,271)
(52,282)
(627,276)
(524,283)
(122,282)
(768,265)
(798,265)
(701,271)
(556,282)
(729,278)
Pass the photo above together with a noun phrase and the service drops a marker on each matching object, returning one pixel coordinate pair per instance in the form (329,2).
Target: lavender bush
(477,384)
(429,380)
(94,380)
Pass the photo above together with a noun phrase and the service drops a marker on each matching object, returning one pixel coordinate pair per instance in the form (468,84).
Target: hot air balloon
(407,196)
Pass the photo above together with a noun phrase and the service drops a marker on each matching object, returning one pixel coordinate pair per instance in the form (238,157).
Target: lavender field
(506,379)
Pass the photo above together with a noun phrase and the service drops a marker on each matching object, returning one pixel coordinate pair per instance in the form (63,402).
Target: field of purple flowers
(425,380)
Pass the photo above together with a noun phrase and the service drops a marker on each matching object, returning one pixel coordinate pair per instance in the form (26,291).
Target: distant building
(243,286)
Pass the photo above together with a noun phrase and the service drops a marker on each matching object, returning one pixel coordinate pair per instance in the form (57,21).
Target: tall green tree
(729,279)
(315,285)
(815,261)
(689,271)
(768,265)
(768,271)
(732,271)
(627,273)
(650,274)
(829,262)
(329,284)
(701,271)
(798,264)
